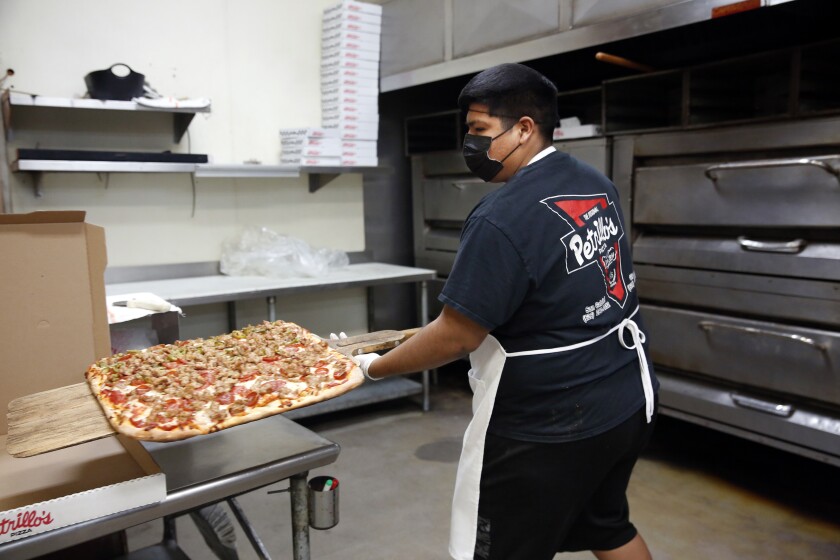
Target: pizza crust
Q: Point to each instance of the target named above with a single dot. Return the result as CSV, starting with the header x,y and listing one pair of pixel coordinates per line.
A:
x,y
155,434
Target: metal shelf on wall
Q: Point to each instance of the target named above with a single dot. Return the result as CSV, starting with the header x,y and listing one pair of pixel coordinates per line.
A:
x,y
245,170
181,116
320,176
39,166
72,166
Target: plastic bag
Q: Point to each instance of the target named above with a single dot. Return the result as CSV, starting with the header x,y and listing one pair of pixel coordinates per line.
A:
x,y
259,251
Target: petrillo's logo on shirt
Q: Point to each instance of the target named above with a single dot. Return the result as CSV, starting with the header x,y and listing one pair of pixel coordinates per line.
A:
x,y
593,239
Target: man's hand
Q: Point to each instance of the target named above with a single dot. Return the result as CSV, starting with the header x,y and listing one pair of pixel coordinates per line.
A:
x,y
363,360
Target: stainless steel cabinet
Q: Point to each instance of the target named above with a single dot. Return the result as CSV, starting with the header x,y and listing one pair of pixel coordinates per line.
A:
x,y
413,35
482,25
588,12
428,40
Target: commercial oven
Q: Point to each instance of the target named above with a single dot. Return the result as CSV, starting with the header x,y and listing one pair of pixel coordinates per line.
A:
x,y
736,244
444,192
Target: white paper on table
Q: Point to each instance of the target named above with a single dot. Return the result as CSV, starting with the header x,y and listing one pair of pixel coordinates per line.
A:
x,y
118,314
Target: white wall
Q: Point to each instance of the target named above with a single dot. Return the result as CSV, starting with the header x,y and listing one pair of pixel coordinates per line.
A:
x,y
258,60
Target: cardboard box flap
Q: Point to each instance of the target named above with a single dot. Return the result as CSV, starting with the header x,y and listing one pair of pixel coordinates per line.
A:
x,y
54,322
45,217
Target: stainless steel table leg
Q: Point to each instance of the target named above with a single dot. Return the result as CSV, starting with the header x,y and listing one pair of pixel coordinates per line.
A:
x,y
248,529
371,309
424,319
300,516
271,301
231,316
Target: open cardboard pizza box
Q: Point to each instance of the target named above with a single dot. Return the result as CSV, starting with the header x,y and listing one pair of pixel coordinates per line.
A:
x,y
70,415
53,322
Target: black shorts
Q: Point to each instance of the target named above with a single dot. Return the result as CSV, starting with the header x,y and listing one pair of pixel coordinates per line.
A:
x,y
537,499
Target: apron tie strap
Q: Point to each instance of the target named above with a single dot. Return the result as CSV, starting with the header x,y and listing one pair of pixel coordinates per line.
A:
x,y
639,338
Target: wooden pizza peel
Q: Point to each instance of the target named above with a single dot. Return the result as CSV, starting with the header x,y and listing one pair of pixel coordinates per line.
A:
x,y
58,418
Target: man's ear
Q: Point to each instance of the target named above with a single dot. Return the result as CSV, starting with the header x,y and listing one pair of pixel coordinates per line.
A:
x,y
528,129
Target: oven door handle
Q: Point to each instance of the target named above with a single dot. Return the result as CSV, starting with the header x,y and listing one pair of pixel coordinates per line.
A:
x,y
761,405
461,185
711,171
709,326
795,246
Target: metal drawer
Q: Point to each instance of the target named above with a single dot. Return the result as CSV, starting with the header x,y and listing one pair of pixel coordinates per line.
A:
x,y
768,356
776,420
452,198
795,258
796,192
441,239
787,299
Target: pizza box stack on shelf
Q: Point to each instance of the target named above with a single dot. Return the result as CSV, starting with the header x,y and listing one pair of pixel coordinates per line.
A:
x,y
572,128
350,79
54,324
310,147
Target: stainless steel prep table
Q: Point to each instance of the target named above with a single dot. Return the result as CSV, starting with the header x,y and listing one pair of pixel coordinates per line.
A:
x,y
208,469
197,290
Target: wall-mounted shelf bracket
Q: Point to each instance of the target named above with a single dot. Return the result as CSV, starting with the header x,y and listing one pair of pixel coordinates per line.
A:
x,y
319,177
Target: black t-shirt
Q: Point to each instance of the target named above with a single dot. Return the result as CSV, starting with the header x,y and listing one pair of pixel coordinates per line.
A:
x,y
544,263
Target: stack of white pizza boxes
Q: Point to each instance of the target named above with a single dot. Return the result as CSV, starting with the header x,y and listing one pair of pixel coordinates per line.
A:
x,y
311,147
350,79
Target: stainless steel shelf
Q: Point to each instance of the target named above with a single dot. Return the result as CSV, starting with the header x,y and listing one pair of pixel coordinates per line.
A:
x,y
29,100
72,166
245,170
181,116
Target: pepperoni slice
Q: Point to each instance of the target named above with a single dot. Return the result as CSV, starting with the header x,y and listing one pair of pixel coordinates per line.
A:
x,y
116,397
225,398
209,379
142,389
272,385
174,405
141,424
163,422
252,398
240,390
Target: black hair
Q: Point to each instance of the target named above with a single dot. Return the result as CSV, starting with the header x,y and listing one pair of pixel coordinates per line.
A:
x,y
512,91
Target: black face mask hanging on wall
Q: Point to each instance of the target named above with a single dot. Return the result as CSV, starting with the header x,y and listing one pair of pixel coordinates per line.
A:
x,y
475,150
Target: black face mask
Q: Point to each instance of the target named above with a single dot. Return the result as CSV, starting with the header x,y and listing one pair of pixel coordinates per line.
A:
x,y
476,156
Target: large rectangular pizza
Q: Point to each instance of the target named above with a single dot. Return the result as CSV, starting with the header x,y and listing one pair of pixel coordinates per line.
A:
x,y
174,391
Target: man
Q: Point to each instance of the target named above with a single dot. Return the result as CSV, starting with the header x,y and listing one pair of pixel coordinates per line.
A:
x,y
542,297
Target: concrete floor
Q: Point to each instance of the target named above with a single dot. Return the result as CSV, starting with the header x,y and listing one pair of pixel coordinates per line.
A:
x,y
696,494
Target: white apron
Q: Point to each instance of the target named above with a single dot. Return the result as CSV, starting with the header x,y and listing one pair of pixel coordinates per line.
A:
x,y
486,365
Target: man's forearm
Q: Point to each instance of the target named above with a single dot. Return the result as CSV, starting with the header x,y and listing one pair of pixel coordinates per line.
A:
x,y
449,337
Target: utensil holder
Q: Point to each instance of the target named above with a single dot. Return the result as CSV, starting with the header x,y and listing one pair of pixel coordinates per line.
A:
x,y
323,504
